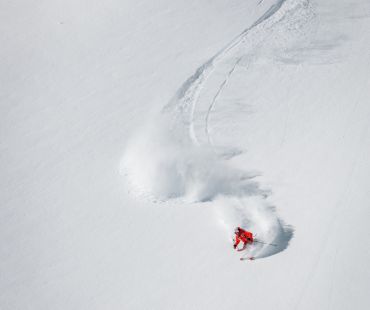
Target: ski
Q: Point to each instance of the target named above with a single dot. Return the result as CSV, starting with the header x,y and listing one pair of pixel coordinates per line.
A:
x,y
247,258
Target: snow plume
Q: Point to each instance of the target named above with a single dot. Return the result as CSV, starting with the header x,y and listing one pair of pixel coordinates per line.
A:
x,y
160,164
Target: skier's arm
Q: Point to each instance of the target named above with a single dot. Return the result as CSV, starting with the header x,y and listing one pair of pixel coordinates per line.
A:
x,y
237,241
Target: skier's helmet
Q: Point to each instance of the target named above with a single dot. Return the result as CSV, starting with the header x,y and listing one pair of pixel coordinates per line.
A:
x,y
236,230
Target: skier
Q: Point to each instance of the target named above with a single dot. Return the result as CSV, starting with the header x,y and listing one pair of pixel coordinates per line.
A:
x,y
244,236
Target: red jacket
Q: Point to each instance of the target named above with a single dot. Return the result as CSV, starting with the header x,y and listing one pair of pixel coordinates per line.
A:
x,y
244,236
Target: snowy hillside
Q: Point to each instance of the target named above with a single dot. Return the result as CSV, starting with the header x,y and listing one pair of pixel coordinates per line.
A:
x,y
135,136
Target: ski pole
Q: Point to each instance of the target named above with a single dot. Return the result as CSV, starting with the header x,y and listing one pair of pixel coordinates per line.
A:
x,y
273,244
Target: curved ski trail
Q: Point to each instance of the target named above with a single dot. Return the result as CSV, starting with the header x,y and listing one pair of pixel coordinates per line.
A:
x,y
183,161
248,208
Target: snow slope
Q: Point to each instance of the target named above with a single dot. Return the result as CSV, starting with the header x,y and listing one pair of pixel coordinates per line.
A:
x,y
136,134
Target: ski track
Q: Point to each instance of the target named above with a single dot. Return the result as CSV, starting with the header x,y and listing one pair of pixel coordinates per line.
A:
x,y
187,96
213,103
182,168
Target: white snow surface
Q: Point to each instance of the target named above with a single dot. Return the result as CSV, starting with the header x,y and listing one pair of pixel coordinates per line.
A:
x,y
135,135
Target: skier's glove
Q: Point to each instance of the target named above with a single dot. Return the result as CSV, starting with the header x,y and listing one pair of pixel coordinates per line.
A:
x,y
234,246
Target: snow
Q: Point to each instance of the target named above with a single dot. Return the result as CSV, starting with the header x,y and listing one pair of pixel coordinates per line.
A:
x,y
135,135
